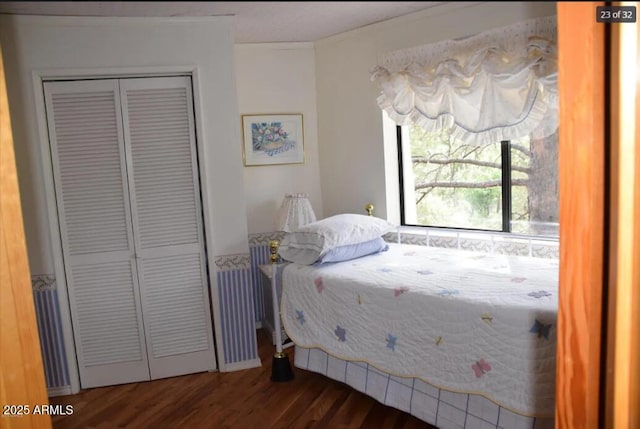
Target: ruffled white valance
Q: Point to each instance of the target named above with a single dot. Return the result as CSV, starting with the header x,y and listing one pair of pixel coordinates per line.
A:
x,y
494,86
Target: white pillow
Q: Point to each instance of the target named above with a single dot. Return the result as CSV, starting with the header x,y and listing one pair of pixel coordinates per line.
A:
x,y
307,244
354,251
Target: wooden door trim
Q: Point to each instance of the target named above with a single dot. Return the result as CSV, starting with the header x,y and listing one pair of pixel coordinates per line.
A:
x,y
22,382
581,83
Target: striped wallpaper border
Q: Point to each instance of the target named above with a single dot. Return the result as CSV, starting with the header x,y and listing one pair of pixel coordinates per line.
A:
x,y
236,301
259,256
263,238
232,262
45,299
42,282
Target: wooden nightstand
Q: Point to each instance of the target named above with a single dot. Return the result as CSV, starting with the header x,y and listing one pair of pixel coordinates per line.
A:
x,y
267,297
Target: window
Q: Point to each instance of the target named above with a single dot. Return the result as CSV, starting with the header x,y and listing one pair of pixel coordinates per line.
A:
x,y
509,186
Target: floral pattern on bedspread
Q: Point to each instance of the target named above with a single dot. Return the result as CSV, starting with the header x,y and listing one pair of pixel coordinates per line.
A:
x,y
465,322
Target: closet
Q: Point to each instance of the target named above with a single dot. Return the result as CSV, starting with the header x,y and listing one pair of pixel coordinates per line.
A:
x,y
125,172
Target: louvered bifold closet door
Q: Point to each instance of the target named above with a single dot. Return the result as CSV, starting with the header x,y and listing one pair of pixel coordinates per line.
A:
x,y
167,221
86,136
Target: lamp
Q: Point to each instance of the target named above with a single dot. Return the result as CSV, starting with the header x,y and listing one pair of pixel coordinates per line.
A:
x,y
294,212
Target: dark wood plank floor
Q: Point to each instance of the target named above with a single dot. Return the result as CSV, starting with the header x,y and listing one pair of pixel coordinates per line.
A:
x,y
235,400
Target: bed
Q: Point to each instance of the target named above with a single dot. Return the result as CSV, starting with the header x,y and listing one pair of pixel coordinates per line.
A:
x,y
458,339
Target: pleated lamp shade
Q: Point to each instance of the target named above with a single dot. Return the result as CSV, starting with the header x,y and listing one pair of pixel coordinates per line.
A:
x,y
294,212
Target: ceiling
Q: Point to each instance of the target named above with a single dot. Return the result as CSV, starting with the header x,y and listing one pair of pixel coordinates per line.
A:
x,y
255,22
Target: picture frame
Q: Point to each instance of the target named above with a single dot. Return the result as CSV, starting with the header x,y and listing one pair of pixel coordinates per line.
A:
x,y
272,139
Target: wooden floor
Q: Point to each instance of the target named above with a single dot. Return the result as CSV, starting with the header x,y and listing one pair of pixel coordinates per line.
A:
x,y
236,400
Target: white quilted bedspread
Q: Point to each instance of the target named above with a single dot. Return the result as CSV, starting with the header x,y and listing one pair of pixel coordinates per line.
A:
x,y
462,321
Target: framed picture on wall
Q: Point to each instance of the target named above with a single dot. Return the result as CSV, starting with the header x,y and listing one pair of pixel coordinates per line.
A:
x,y
273,139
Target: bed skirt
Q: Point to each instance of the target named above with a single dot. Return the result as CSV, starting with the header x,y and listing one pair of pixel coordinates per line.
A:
x,y
438,407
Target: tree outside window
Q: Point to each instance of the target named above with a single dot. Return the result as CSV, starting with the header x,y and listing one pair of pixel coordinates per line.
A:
x,y
448,184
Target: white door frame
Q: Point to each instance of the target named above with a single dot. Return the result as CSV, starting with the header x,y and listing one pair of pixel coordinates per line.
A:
x,y
38,77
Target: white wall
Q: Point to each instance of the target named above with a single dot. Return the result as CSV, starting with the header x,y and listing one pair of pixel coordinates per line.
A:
x,y
279,78
33,43
352,166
